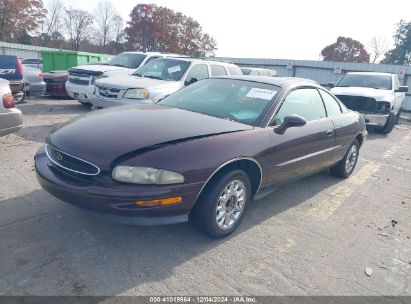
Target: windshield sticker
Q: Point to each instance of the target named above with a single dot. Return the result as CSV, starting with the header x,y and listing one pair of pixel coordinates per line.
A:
x,y
174,69
261,93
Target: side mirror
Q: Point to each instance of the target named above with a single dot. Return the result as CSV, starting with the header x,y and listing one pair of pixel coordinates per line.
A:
x,y
331,84
290,121
402,89
191,81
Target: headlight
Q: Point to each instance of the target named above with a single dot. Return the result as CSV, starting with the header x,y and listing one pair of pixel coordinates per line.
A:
x,y
146,176
136,94
94,78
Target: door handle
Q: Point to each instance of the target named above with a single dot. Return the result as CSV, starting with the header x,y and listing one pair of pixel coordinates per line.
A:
x,y
329,131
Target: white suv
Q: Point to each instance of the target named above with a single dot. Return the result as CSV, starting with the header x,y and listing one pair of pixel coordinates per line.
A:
x,y
156,80
378,96
80,84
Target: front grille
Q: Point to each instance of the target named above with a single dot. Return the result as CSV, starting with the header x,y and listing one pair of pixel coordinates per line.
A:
x,y
359,103
108,92
71,163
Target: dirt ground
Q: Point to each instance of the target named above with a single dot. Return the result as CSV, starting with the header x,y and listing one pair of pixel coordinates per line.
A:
x,y
316,236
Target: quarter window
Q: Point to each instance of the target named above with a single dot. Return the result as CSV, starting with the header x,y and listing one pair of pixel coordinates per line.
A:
x,y
197,72
304,102
217,70
332,106
234,70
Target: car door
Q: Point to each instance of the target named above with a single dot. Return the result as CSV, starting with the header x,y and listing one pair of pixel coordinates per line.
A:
x,y
345,127
399,96
305,149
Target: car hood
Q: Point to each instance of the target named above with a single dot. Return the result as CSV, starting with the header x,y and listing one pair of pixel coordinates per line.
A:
x,y
99,68
129,82
104,136
363,92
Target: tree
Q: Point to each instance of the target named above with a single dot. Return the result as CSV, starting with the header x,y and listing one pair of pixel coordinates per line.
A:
x,y
106,22
346,50
51,23
401,53
378,46
78,24
156,28
18,17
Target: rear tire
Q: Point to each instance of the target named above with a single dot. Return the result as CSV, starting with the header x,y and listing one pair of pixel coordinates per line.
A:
x,y
222,204
389,126
345,167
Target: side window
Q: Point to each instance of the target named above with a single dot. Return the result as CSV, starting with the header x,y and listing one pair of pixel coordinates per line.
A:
x,y
263,72
254,72
197,72
332,106
217,70
234,70
304,102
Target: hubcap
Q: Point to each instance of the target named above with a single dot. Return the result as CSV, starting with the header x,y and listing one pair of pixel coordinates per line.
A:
x,y
230,204
351,159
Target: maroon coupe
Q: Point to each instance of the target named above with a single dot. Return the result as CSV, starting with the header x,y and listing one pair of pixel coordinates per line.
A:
x,y
202,154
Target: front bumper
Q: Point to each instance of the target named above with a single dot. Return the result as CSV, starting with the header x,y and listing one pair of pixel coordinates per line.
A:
x,y
83,93
377,120
115,201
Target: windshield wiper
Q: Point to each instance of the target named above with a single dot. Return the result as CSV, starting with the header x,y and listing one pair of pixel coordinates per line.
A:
x,y
153,77
118,65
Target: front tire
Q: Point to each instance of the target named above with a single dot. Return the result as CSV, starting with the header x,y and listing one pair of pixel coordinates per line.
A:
x,y
345,167
389,126
223,204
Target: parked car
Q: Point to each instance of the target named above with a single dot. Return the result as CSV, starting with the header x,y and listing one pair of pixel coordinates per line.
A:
x,y
156,80
201,154
56,83
80,84
11,119
378,96
11,69
33,63
258,72
34,79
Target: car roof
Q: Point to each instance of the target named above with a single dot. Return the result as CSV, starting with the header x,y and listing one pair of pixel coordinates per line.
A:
x,y
370,73
254,68
189,59
277,81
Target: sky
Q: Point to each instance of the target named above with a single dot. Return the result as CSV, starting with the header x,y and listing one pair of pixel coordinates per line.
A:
x,y
286,29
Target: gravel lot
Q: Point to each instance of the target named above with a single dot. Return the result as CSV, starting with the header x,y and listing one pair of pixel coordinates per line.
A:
x,y
312,237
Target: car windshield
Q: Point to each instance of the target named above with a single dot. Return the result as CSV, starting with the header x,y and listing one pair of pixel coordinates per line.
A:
x,y
127,60
164,69
237,100
381,82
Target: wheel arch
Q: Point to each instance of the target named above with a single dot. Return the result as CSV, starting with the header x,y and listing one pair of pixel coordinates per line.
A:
x,y
360,139
248,164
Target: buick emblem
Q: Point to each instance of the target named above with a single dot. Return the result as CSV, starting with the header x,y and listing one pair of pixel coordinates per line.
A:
x,y
59,157
106,92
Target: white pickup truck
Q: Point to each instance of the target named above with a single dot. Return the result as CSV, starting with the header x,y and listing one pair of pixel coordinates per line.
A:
x,y
378,96
80,83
